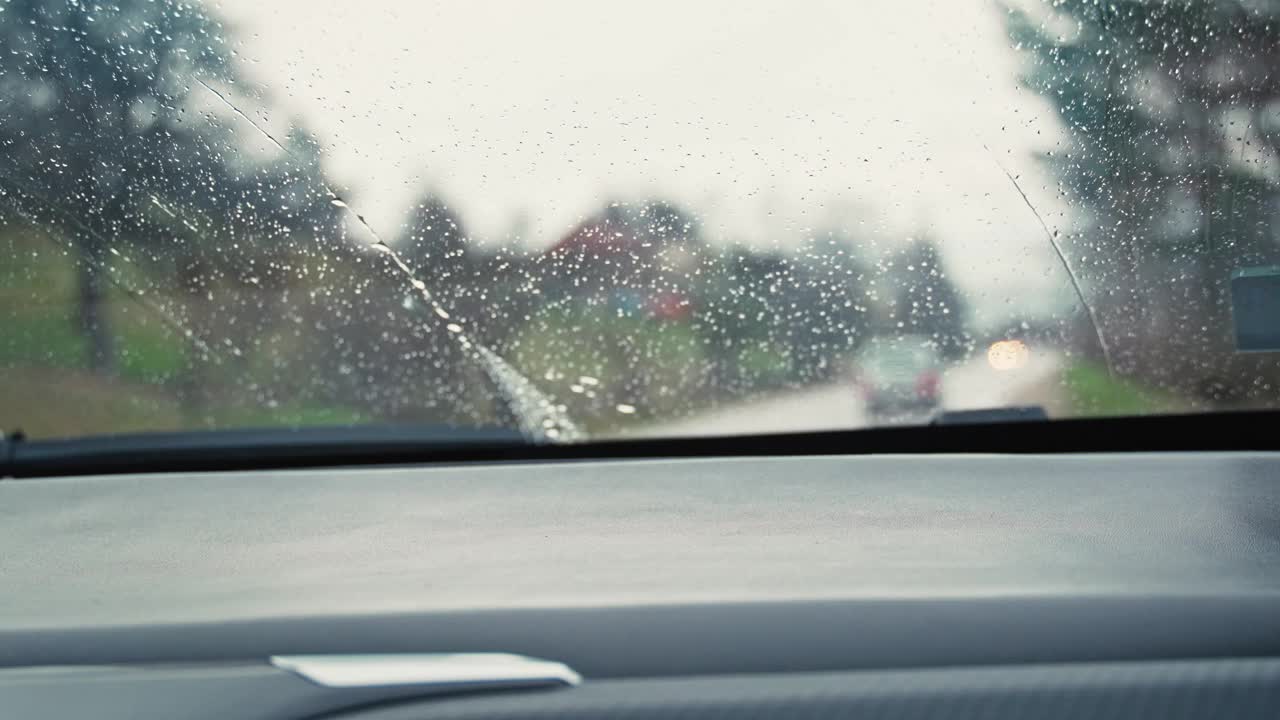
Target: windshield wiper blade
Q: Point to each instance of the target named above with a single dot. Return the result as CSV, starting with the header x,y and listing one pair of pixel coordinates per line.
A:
x,y
206,450
1013,413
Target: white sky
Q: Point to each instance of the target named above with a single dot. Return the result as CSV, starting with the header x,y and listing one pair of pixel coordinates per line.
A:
x,y
765,119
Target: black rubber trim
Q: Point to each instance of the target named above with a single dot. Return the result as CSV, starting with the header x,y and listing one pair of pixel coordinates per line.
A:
x,y
655,641
246,449
335,447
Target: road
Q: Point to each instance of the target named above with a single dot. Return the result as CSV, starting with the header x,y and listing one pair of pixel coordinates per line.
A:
x,y
837,406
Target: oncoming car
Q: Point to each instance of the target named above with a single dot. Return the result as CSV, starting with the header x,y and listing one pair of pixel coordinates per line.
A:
x,y
899,375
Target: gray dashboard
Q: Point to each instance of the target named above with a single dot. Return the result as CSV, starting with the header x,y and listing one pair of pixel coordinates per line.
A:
x,y
148,549
1237,689
1143,585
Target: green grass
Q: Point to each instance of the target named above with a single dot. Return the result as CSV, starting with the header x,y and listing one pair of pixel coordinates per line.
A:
x,y
38,315
648,363
46,388
41,335
44,334
1091,391
286,415
146,349
37,318
764,362
49,403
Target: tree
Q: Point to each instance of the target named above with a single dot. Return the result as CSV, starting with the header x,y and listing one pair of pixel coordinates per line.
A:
x,y
1169,109
925,300
435,244
665,223
92,98
826,312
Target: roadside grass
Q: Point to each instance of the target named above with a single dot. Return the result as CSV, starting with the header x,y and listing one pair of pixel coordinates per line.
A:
x,y
635,360
59,402
147,350
1091,391
38,315
44,334
47,391
41,335
764,362
662,368
37,320
295,414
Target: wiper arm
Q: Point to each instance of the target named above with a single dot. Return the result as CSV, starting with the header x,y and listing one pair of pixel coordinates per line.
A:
x,y
1103,346
206,450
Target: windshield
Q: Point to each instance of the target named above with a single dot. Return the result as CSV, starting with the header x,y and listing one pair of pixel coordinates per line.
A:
x,y
899,356
578,220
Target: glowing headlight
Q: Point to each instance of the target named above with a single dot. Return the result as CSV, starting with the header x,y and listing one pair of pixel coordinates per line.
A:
x,y
1007,354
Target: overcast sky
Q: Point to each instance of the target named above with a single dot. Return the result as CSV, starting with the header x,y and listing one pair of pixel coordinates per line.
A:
x,y
768,120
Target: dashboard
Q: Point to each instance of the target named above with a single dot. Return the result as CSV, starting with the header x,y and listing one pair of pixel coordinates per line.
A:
x,y
1117,585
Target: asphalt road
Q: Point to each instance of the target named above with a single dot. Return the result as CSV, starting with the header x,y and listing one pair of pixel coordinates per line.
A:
x,y
838,406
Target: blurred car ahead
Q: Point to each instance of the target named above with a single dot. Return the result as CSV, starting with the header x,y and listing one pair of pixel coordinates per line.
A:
x,y
899,375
